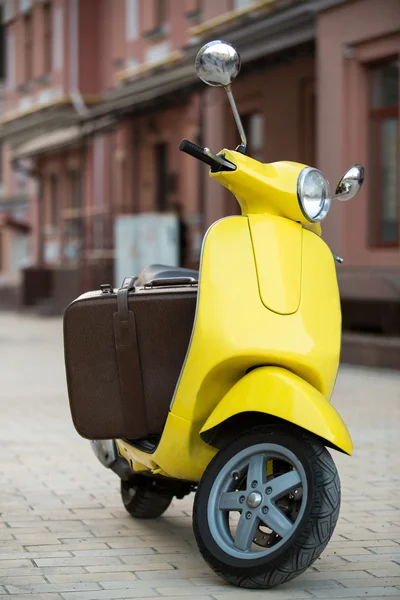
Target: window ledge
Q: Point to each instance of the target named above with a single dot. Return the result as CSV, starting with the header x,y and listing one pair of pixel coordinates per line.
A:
x,y
43,79
100,254
193,16
157,34
118,63
382,246
145,68
72,213
208,26
24,88
50,230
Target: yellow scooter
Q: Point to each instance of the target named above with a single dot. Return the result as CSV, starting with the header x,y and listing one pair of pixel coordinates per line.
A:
x,y
250,420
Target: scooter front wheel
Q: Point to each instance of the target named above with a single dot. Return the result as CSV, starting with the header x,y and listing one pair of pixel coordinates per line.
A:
x,y
266,507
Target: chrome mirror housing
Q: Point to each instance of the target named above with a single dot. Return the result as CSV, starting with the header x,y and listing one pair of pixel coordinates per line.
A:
x,y
350,184
218,63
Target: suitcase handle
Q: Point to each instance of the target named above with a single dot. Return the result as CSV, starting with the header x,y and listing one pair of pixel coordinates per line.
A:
x,y
171,281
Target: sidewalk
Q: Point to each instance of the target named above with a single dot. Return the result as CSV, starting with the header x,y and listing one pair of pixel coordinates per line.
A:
x,y
65,536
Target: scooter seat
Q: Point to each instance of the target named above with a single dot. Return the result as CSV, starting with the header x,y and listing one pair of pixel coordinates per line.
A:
x,y
157,272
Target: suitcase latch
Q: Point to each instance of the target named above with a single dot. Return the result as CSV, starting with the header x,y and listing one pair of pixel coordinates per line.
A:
x,y
106,288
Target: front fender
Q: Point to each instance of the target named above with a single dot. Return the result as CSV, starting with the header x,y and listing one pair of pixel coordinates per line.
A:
x,y
278,392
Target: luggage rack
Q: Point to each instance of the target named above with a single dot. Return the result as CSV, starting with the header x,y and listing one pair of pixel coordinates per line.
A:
x,y
171,282
160,273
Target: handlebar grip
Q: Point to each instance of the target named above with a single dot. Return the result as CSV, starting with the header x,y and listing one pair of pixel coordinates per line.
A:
x,y
197,152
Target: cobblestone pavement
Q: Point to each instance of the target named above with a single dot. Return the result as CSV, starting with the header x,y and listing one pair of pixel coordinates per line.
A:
x,y
64,535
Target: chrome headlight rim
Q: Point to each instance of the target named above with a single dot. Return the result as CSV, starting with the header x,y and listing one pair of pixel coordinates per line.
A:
x,y
326,202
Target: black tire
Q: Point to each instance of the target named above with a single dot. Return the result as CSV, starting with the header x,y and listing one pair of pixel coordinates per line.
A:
x,y
313,531
143,500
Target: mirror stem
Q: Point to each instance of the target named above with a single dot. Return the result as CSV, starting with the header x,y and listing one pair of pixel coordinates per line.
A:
x,y
243,146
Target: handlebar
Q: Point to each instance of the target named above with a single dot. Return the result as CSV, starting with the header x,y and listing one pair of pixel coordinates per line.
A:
x,y
201,154
196,152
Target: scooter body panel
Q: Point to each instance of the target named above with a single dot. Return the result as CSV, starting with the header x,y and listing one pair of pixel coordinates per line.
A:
x,y
235,331
280,393
181,453
279,281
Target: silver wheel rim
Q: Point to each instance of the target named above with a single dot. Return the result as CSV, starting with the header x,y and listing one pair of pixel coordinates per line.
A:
x,y
258,503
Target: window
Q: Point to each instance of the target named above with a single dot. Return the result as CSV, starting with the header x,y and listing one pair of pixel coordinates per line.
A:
x,y
161,12
154,18
384,152
192,7
48,37
307,124
132,19
239,4
1,165
74,189
28,47
161,154
2,49
10,61
54,200
58,41
73,225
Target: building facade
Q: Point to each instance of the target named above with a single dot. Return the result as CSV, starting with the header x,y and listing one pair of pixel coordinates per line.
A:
x,y
99,94
14,210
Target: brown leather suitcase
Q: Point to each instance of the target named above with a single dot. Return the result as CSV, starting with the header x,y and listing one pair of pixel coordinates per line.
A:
x,y
124,350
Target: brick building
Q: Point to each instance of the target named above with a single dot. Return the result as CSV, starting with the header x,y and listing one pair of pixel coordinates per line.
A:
x,y
100,92
14,222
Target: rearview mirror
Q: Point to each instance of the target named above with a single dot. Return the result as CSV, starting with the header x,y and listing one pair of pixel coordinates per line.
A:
x,y
218,63
350,184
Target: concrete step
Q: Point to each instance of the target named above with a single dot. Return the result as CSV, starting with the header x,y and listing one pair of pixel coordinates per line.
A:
x,y
371,350
10,297
45,307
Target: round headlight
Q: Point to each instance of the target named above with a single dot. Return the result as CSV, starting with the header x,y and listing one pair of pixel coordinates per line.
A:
x,y
313,194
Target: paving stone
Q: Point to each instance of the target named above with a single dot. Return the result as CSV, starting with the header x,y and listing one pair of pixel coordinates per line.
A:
x,y
13,564
33,555
27,571
47,588
21,580
392,571
74,561
373,582
133,568
176,574
275,594
334,574
356,592
102,580
32,597
357,558
68,547
123,594
356,566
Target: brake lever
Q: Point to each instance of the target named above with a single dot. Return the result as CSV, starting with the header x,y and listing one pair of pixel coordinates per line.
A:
x,y
219,159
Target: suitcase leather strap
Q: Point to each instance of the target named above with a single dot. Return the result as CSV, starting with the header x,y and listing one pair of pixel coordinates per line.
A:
x,y
130,374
